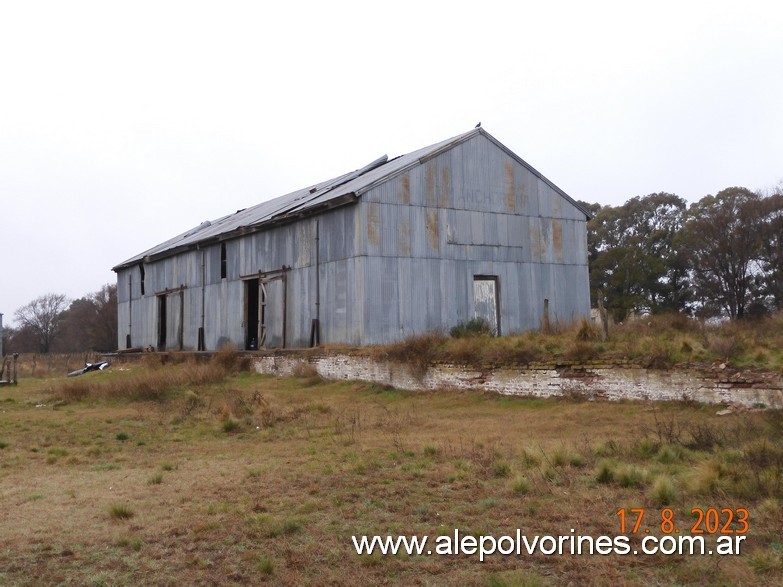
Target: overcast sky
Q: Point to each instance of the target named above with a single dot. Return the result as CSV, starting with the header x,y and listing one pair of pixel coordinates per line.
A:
x,y
123,124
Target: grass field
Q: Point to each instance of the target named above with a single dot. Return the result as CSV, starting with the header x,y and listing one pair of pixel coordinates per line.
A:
x,y
207,474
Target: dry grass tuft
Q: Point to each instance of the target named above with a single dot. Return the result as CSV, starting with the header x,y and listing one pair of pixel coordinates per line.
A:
x,y
417,351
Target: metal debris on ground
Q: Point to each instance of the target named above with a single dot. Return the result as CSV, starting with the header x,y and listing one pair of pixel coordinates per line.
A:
x,y
89,367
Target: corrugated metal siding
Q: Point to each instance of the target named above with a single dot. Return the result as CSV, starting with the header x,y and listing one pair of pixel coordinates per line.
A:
x,y
502,221
399,262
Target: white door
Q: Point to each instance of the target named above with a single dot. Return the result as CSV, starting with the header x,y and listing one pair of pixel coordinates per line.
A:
x,y
485,302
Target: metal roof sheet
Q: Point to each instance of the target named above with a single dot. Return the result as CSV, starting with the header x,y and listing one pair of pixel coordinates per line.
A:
x,y
311,199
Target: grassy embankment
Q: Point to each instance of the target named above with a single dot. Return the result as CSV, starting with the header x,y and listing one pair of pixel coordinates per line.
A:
x,y
660,342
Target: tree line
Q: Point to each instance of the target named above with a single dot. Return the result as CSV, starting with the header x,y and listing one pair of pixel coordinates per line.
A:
x,y
720,256
53,323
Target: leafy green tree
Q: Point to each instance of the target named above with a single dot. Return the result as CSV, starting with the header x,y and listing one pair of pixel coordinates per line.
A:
x,y
634,262
772,248
723,237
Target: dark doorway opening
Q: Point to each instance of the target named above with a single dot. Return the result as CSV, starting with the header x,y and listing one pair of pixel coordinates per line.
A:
x,y
251,314
162,323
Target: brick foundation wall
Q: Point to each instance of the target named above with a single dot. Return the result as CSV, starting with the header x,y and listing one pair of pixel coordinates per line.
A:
x,y
718,385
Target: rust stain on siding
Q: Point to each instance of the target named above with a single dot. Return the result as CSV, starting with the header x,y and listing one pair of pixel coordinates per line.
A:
x,y
444,187
557,238
432,228
405,236
429,184
373,224
521,197
508,170
535,242
405,183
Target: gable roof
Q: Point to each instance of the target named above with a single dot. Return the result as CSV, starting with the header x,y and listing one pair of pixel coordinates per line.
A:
x,y
316,198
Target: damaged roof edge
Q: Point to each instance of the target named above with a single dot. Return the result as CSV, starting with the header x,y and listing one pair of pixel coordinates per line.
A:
x,y
321,197
292,216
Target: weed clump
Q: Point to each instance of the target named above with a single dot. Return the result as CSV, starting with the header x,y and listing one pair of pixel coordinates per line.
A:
x,y
663,491
587,331
417,351
631,476
581,351
121,512
229,361
230,424
605,473
265,566
520,485
473,327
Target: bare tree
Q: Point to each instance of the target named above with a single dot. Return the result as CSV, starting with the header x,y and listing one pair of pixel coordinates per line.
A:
x,y
90,322
42,317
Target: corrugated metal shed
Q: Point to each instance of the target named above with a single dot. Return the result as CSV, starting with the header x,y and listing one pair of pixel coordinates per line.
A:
x,y
459,229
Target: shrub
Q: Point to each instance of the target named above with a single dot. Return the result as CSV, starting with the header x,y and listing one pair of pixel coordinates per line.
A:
x,y
704,478
605,472
473,327
631,476
430,451
726,346
501,469
121,512
765,562
466,351
266,566
231,424
562,457
657,354
587,331
520,485
663,491
670,454
417,351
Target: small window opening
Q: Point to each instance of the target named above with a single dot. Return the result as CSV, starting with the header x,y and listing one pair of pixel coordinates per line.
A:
x,y
223,264
141,271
